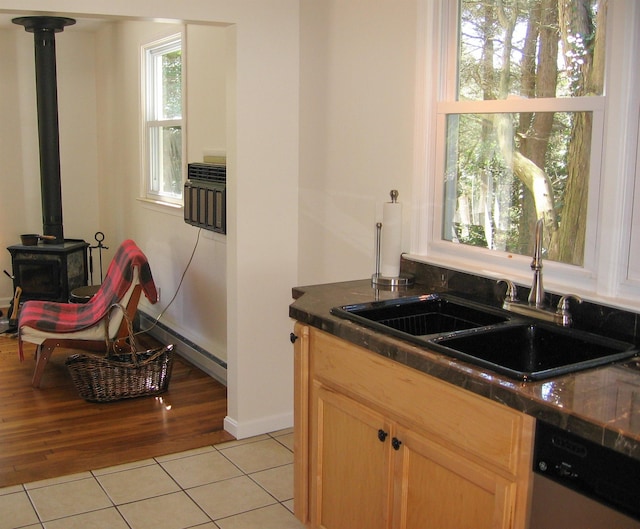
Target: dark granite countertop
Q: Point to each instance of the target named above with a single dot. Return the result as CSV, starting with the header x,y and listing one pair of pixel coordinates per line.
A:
x,y
601,404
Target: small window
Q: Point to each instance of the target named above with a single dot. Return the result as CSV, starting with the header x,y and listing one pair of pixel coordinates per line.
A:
x,y
163,168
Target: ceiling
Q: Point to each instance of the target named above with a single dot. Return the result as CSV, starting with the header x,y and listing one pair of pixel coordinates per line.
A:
x,y
82,24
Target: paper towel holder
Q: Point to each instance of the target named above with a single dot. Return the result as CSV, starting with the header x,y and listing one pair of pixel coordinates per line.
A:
x,y
377,279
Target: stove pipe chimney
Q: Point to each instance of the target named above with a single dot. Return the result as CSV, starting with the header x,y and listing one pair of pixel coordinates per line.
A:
x,y
44,29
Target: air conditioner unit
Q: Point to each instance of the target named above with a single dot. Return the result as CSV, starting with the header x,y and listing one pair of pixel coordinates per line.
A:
x,y
205,196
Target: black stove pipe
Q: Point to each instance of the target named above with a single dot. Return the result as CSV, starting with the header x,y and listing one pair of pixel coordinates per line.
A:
x,y
44,29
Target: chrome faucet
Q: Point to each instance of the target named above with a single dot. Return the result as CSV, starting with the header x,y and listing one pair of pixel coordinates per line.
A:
x,y
536,295
536,306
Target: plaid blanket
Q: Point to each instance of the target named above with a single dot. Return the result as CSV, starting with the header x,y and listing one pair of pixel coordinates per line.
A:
x,y
56,317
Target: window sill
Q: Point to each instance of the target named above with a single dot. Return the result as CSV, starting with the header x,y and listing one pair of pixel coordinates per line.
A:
x,y
162,207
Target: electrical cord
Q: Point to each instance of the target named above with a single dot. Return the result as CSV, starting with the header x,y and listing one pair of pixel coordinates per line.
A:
x,y
184,273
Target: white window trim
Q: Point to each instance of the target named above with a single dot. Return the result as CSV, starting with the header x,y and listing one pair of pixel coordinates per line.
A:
x,y
144,194
608,253
620,152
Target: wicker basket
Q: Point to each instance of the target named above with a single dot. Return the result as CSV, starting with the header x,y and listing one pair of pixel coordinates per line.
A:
x,y
121,374
114,377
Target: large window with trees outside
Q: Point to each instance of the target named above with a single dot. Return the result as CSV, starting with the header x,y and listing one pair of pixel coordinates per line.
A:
x,y
162,73
523,125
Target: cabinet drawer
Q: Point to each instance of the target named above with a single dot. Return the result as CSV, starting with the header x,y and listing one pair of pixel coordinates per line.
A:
x,y
478,427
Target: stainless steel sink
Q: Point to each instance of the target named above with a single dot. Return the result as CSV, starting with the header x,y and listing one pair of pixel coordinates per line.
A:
x,y
518,347
420,316
533,351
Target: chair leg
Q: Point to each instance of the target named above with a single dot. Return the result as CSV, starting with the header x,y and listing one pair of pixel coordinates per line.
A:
x,y
43,353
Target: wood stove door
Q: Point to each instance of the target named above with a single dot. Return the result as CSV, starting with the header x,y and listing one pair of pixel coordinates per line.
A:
x,y
39,279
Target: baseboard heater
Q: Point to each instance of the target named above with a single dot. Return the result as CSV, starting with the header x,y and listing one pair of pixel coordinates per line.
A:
x,y
205,196
189,350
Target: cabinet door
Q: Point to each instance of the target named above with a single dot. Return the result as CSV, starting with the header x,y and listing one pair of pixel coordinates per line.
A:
x,y
437,488
350,462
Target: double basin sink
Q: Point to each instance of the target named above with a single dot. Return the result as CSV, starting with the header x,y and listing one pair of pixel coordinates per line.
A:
x,y
520,348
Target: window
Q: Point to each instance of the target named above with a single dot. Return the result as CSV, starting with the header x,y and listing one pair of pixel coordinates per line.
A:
x,y
518,109
519,130
163,166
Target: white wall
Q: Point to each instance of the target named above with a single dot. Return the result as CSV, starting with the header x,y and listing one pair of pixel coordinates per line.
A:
x,y
207,49
206,89
356,130
262,148
20,203
12,197
199,309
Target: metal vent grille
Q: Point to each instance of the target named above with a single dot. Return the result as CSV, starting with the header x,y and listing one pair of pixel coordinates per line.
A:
x,y
205,196
207,172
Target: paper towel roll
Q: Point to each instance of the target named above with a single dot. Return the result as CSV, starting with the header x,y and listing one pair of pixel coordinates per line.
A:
x,y
391,239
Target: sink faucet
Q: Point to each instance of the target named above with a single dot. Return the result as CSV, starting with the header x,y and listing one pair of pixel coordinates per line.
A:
x,y
536,296
536,305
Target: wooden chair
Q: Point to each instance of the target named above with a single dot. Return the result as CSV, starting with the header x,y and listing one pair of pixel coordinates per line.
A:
x,y
133,277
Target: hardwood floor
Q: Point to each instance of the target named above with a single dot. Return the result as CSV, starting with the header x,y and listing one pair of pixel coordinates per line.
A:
x,y
51,431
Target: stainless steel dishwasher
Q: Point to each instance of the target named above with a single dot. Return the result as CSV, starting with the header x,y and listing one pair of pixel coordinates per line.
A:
x,y
579,484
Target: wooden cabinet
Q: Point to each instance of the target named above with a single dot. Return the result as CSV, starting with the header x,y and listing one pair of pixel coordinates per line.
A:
x,y
352,464
437,487
380,445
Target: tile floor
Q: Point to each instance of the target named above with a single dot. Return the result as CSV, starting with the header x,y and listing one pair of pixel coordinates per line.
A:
x,y
241,484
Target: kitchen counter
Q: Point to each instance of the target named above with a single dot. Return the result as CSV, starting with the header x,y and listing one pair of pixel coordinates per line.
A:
x,y
601,404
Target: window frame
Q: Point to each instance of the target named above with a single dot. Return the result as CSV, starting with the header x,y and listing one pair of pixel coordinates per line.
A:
x,y
613,170
149,119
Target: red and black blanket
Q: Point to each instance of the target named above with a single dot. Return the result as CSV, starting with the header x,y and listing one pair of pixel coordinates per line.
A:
x,y
56,317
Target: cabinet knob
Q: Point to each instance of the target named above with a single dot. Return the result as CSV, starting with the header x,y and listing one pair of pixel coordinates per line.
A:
x,y
293,338
382,435
395,442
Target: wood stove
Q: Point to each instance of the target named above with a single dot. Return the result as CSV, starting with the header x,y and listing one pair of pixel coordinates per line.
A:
x,y
49,271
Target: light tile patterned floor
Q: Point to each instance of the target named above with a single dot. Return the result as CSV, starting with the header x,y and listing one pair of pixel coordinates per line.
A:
x,y
241,484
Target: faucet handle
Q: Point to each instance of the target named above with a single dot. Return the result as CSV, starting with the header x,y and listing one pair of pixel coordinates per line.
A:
x,y
563,316
512,292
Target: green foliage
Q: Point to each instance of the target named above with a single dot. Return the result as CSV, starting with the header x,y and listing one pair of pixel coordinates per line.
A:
x,y
172,84
172,178
491,202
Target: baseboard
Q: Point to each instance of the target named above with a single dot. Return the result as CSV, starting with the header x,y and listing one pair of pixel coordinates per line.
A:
x,y
242,430
192,352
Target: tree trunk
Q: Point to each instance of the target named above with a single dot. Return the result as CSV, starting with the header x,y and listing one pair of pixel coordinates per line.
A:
x,y
529,173
481,203
575,20
539,80
547,81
